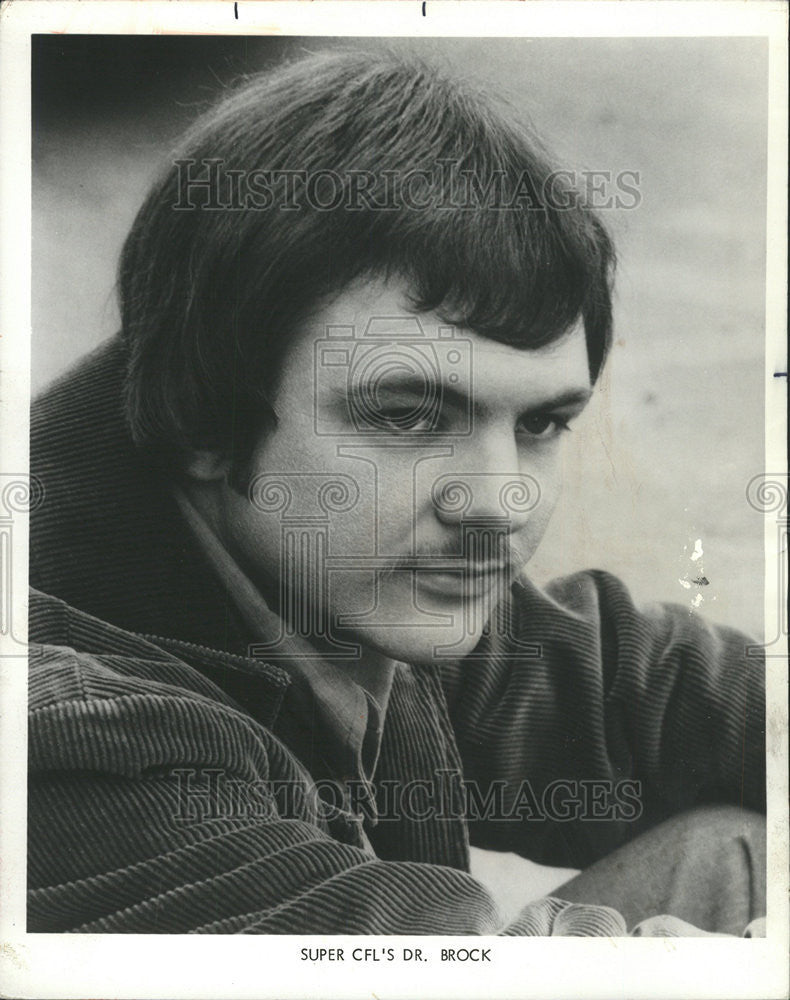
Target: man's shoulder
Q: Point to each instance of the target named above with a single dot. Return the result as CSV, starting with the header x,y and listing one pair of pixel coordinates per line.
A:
x,y
583,593
108,537
96,495
560,611
103,701
93,384
78,658
588,623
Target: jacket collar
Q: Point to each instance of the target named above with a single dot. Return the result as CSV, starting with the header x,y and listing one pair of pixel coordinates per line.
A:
x,y
108,537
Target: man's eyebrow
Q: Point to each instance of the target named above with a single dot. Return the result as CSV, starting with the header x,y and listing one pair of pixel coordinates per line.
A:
x,y
406,382
578,396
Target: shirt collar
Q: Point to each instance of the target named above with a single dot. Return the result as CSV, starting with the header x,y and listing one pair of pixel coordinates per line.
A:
x,y
350,717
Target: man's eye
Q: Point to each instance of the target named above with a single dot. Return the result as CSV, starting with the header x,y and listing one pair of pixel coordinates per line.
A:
x,y
542,425
405,419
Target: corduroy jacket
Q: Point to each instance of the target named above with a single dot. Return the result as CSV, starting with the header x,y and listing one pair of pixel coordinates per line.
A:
x,y
177,784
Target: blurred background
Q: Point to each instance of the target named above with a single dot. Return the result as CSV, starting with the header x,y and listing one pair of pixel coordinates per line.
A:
x,y
657,472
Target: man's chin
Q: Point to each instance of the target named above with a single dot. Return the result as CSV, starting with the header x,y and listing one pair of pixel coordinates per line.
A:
x,y
415,625
420,644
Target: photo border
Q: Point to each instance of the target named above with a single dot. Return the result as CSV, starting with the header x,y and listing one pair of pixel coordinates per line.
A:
x,y
184,966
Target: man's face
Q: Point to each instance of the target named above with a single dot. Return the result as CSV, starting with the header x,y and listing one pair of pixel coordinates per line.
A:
x,y
411,475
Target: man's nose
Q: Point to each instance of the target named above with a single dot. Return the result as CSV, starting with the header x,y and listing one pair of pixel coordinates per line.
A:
x,y
492,489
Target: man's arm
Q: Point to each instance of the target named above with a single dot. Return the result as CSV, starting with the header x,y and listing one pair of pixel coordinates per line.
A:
x,y
618,719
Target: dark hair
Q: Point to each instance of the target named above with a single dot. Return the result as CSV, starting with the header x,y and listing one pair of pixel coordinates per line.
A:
x,y
211,294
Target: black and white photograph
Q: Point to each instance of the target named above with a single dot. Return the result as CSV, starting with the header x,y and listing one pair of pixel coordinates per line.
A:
x,y
404,557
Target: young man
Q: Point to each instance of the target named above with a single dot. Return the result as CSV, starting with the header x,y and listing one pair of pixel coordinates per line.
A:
x,y
288,664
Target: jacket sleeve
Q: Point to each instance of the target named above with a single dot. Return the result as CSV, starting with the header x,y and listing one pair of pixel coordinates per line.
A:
x,y
152,810
597,719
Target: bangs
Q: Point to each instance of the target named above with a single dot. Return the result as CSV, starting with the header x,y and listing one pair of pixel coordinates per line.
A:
x,y
513,265
510,276
492,236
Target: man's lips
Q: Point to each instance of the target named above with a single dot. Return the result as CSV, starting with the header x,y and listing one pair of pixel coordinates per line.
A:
x,y
467,582
454,577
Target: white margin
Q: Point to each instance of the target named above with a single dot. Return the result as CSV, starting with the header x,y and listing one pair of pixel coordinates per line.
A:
x,y
178,966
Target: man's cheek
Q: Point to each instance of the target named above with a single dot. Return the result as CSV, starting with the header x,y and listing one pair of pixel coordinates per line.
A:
x,y
532,534
257,540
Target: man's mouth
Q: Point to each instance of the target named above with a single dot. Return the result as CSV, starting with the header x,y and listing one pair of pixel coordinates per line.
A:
x,y
456,578
468,582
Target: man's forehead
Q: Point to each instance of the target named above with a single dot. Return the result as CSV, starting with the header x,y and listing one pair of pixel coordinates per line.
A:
x,y
370,316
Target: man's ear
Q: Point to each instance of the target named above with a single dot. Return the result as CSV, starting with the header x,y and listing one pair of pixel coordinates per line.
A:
x,y
207,466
